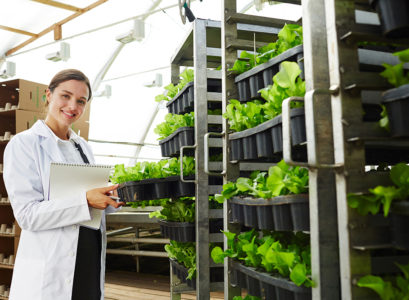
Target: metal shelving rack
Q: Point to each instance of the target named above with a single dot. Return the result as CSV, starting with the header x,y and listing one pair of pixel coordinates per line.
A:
x,y
323,209
357,235
201,49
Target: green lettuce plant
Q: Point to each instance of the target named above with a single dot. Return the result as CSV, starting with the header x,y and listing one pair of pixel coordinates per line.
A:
x,y
396,76
176,210
288,37
396,288
286,83
284,254
185,254
144,203
383,196
181,209
145,170
173,122
171,90
248,297
281,179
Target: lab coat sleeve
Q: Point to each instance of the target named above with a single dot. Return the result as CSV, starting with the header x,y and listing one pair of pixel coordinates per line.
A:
x,y
24,184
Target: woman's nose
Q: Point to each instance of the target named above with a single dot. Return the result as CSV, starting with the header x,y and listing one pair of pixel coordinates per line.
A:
x,y
73,104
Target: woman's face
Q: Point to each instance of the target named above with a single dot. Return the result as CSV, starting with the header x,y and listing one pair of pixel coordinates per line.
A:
x,y
67,103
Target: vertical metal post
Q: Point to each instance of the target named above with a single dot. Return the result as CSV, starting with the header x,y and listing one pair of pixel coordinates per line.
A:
x,y
174,281
322,190
137,248
229,91
174,73
346,115
202,191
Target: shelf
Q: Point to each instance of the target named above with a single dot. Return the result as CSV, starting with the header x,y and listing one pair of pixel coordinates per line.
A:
x,y
184,54
370,33
4,266
258,20
8,113
7,235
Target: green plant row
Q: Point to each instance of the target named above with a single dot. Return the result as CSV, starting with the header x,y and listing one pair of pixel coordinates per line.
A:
x,y
382,196
173,122
181,209
248,297
184,253
172,90
391,288
286,83
145,170
281,179
285,254
144,203
288,37
397,76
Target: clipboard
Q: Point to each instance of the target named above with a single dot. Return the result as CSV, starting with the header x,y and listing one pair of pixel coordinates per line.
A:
x,y
76,178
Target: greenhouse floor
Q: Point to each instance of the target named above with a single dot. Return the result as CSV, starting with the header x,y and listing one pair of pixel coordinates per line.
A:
x,y
125,285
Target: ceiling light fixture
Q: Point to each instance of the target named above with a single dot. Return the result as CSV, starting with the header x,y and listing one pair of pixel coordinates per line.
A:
x,y
157,82
136,34
9,70
107,92
63,54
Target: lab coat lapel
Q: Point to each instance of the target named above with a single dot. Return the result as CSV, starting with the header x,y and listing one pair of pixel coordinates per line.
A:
x,y
48,144
50,147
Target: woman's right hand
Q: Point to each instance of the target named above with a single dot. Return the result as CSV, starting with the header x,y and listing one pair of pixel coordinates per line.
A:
x,y
99,197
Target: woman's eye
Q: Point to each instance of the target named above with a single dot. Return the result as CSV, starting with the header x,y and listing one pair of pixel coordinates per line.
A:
x,y
82,102
66,96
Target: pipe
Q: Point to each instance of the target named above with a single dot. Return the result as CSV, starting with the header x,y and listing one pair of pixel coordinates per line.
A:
x,y
138,253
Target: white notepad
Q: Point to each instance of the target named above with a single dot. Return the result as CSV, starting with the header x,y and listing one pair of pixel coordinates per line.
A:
x,y
78,178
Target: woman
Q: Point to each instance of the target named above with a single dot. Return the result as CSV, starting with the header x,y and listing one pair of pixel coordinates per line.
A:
x,y
56,258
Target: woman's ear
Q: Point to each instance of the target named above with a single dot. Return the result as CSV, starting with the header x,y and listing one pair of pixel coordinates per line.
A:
x,y
48,95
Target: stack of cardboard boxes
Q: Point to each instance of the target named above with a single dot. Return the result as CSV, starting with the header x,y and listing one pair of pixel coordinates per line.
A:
x,y
22,103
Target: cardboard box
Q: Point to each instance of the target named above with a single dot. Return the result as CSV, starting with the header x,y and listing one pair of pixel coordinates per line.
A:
x,y
81,127
26,119
27,95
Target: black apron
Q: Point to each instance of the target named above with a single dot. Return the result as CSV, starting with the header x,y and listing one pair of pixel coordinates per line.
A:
x,y
87,274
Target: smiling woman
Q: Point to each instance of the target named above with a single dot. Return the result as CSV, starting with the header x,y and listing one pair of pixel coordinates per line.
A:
x,y
67,98
56,257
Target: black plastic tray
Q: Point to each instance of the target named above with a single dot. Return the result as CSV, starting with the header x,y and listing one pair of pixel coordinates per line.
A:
x,y
250,82
150,189
185,231
394,16
183,136
282,213
216,273
265,141
183,102
397,105
266,286
400,225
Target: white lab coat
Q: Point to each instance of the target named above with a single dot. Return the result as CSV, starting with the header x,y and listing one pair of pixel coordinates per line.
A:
x,y
45,262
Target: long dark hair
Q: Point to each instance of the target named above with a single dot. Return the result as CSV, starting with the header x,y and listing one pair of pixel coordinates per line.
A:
x,y
69,74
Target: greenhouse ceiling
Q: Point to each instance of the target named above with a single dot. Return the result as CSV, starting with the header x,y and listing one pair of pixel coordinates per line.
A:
x,y
30,31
